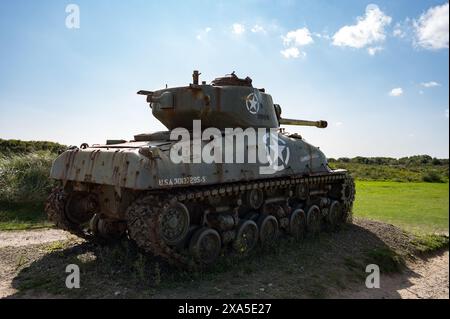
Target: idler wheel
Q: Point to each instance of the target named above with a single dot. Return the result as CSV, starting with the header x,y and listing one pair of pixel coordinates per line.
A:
x,y
268,229
348,190
297,224
174,223
71,211
255,198
246,237
205,245
80,207
313,220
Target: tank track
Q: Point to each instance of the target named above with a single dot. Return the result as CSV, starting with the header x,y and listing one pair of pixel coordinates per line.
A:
x,y
55,209
143,215
142,220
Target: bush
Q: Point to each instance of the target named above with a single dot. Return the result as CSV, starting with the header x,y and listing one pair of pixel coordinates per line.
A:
x,y
16,147
25,178
432,177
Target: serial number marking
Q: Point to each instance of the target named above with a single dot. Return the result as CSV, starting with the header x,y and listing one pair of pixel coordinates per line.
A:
x,y
191,180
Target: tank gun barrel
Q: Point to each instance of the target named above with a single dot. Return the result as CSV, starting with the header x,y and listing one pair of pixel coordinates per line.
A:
x,y
319,124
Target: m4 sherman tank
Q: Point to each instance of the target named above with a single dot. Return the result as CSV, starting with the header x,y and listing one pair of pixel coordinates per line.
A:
x,y
224,178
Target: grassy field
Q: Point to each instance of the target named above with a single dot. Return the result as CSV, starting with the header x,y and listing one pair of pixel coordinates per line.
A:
x,y
22,217
416,172
419,207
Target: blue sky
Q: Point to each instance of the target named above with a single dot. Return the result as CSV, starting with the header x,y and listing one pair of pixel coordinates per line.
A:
x,y
376,70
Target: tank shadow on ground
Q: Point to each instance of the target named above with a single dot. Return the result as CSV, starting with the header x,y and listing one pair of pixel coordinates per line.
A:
x,y
315,268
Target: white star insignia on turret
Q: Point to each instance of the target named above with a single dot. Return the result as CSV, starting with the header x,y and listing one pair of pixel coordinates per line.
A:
x,y
252,103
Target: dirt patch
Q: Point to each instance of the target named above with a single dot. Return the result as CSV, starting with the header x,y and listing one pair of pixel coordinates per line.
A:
x,y
19,249
31,237
423,279
331,265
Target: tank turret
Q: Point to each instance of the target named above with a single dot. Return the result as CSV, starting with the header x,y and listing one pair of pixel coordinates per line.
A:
x,y
227,102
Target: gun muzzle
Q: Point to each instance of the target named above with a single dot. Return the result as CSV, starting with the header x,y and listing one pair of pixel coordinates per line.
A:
x,y
319,124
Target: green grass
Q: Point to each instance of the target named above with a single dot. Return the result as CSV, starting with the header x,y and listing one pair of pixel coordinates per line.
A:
x,y
386,258
24,179
430,242
418,207
13,217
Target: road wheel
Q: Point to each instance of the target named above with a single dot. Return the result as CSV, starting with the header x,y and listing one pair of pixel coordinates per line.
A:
x,y
297,224
313,220
268,229
334,217
246,237
205,246
153,231
174,223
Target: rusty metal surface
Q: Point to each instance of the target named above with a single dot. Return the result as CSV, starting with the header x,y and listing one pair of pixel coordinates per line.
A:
x,y
127,166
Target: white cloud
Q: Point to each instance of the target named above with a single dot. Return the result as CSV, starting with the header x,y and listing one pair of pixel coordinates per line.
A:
x,y
429,84
294,40
431,30
396,92
299,37
258,29
446,113
338,124
368,30
292,52
238,28
373,50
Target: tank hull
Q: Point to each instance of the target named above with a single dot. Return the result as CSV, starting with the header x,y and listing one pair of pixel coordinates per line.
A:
x,y
124,165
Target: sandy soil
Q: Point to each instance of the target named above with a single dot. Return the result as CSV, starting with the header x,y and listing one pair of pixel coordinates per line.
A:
x,y
31,237
423,279
20,240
